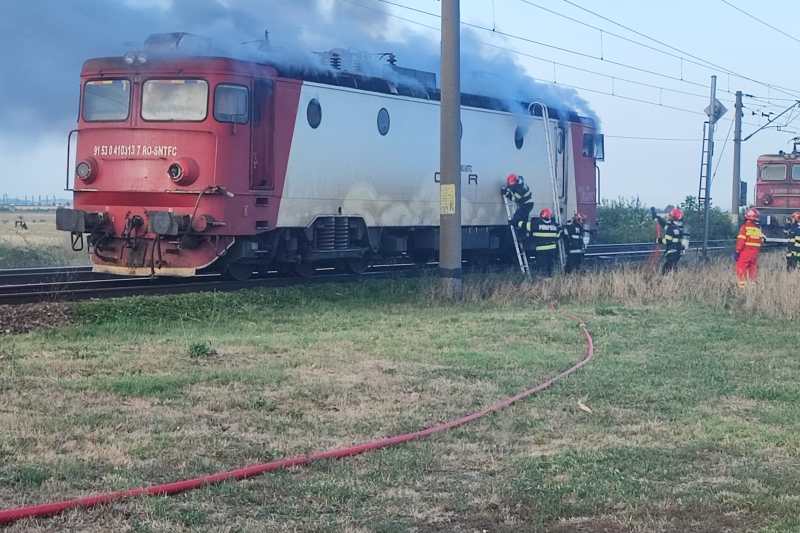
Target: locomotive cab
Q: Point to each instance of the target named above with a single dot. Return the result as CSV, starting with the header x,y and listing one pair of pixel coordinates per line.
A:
x,y
174,158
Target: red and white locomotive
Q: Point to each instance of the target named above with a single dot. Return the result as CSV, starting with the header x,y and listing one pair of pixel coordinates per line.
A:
x,y
778,189
184,163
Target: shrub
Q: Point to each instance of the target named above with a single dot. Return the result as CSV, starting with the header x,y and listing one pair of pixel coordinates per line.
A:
x,y
624,220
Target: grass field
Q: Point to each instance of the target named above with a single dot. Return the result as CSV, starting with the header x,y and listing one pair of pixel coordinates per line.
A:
x,y
40,245
693,426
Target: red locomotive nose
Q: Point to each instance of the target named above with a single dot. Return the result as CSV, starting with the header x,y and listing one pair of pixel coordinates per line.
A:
x,y
184,171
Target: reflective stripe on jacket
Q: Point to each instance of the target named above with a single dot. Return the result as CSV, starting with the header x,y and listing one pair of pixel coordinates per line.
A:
x,y
545,234
793,244
750,236
520,194
573,235
673,237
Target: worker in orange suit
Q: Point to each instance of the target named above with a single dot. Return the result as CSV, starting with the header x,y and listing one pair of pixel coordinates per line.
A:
x,y
748,246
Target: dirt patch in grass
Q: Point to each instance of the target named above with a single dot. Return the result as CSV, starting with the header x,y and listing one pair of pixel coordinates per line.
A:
x,y
28,317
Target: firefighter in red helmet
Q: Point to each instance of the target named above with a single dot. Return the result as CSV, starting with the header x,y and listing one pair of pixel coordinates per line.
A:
x,y
545,234
517,191
748,246
793,242
574,235
675,238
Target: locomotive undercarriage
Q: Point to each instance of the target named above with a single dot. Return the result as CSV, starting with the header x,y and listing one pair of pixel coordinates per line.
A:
x,y
347,243
164,244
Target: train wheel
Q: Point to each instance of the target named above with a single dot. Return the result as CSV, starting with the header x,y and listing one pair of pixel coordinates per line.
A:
x,y
239,271
304,269
357,266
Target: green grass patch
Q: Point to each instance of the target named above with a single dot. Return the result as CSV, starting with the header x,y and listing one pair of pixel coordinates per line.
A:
x,y
694,422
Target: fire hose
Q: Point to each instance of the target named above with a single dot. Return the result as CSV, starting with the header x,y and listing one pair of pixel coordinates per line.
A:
x,y
49,509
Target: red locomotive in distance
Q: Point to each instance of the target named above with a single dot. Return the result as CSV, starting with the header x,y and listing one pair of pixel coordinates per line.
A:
x,y
191,162
778,188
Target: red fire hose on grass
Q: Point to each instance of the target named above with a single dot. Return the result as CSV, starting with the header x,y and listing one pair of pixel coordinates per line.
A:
x,y
49,509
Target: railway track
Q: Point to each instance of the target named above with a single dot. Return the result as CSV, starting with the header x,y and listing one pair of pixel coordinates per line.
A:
x,y
30,285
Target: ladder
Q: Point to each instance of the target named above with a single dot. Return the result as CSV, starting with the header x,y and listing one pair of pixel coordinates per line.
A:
x,y
519,247
551,166
702,190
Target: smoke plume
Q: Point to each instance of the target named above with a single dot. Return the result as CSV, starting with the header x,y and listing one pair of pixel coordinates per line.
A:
x,y
45,43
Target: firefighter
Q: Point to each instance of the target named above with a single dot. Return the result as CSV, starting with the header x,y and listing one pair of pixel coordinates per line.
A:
x,y
675,238
545,234
793,244
517,191
574,242
748,246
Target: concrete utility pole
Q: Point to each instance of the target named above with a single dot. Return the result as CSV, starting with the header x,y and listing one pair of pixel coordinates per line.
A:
x,y
712,120
737,157
450,152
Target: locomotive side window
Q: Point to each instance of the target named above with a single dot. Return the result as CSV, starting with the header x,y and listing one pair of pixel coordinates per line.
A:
x,y
314,113
383,121
773,172
171,100
106,100
588,145
231,103
796,172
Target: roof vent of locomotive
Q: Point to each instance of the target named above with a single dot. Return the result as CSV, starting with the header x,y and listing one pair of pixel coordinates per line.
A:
x,y
177,42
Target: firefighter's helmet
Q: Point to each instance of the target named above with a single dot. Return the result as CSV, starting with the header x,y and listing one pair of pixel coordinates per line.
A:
x,y
546,213
512,180
676,214
751,214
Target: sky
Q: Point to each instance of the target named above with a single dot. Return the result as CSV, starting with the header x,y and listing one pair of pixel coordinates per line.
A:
x,y
44,42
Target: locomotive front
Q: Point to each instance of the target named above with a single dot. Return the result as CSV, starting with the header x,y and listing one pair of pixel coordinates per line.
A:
x,y
778,189
163,163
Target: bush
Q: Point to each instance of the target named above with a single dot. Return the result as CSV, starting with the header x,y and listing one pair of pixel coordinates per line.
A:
x,y
624,220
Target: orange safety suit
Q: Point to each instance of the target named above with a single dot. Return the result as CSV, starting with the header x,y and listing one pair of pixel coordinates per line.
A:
x,y
748,246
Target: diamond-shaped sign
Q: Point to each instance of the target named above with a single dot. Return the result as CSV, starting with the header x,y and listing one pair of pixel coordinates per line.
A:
x,y
719,110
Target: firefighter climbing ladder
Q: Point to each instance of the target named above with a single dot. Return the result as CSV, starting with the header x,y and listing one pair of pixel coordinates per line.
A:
x,y
519,247
551,166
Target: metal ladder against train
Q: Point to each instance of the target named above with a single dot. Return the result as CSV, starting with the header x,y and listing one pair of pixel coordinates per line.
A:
x,y
703,187
519,247
551,166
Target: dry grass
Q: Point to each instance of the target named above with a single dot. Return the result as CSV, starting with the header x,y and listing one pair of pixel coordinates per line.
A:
x,y
714,285
40,245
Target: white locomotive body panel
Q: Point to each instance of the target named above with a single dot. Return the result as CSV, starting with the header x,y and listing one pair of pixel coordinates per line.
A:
x,y
345,166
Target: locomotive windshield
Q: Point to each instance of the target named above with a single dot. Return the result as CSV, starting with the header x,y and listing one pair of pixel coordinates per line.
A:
x,y
773,172
172,100
796,172
105,100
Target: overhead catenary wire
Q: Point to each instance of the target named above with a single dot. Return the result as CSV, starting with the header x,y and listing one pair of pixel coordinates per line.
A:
x,y
760,21
722,152
585,55
708,64
660,139
549,61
